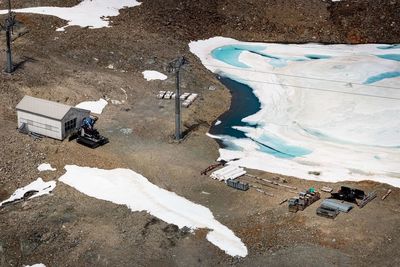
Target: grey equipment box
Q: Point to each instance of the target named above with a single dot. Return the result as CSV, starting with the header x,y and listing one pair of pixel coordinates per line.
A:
x,y
237,185
328,213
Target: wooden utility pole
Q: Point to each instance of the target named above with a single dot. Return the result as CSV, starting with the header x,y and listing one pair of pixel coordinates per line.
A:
x,y
175,67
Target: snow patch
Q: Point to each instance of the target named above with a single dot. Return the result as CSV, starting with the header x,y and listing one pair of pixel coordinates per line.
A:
x,y
94,106
45,167
36,265
126,187
153,75
89,13
39,185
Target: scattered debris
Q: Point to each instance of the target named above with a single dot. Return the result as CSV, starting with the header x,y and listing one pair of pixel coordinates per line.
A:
x,y
271,182
262,191
316,173
212,167
368,198
237,184
283,201
304,200
280,179
387,194
327,189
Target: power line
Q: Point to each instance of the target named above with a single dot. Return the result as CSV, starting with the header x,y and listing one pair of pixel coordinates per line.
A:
x,y
324,90
311,88
304,77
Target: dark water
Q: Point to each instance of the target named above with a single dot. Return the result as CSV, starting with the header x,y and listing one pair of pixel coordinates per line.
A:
x,y
243,104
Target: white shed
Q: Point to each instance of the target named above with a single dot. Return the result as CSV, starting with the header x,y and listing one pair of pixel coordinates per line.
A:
x,y
49,118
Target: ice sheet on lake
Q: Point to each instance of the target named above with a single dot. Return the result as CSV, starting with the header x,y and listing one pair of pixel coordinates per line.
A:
x,y
39,185
315,106
126,187
88,13
45,167
94,106
153,75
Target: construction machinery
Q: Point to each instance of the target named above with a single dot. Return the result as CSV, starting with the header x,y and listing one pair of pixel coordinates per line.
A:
x,y
87,135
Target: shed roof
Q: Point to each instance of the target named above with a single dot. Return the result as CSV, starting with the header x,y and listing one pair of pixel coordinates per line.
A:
x,y
43,107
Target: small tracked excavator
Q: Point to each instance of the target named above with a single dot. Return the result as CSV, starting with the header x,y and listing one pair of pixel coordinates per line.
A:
x,y
87,135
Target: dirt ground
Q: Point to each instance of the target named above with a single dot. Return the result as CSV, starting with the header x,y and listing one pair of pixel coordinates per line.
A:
x,y
68,228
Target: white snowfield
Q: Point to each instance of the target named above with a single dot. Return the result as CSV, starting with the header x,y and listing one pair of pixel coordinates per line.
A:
x,y
126,187
39,185
88,13
151,75
94,106
36,265
334,109
45,167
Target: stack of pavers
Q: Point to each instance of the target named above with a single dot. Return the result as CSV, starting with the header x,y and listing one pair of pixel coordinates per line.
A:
x,y
228,172
168,95
186,98
161,94
189,100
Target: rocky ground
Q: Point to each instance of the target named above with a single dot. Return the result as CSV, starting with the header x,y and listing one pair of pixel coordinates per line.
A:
x,y
71,229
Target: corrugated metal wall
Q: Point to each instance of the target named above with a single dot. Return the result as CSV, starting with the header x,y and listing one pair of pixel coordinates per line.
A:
x,y
41,125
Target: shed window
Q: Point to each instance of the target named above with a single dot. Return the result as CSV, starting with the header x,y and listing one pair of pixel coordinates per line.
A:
x,y
70,124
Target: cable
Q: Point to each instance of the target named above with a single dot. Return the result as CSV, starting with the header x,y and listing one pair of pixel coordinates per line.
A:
x,y
311,88
304,77
324,90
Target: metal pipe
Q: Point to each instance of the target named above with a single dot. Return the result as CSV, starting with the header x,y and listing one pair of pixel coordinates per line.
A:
x,y
177,109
